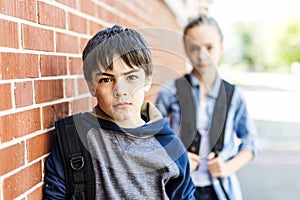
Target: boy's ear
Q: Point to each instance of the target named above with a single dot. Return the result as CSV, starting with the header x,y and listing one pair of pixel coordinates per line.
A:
x,y
148,82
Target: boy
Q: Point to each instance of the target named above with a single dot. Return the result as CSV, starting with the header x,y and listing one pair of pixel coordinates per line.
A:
x,y
134,153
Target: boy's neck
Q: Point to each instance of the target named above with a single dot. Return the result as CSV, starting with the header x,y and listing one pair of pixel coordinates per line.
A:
x,y
130,123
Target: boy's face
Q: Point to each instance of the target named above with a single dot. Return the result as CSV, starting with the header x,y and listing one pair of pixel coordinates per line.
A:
x,y
120,93
203,47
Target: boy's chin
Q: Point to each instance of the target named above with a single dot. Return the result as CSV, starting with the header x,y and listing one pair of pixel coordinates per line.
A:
x,y
120,117
126,121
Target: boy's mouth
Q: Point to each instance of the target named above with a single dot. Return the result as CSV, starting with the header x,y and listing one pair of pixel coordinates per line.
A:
x,y
122,105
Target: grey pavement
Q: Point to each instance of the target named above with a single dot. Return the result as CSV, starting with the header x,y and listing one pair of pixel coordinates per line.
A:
x,y
274,103
274,174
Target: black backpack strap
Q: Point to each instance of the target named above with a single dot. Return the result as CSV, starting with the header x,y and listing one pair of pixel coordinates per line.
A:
x,y
188,132
188,128
76,159
219,117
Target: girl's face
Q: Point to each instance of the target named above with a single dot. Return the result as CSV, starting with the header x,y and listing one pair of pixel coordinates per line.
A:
x,y
120,93
203,47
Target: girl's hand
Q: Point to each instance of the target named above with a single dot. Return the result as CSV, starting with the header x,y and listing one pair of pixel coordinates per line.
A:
x,y
194,161
217,167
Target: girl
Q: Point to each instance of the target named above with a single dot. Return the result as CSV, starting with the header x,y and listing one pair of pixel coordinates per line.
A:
x,y
203,45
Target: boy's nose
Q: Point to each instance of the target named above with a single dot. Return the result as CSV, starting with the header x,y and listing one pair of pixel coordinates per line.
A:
x,y
120,89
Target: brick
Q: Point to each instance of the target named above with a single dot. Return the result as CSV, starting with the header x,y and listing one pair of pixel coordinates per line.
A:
x,y
36,194
128,9
172,63
8,34
88,7
53,65
95,27
66,43
82,86
48,90
20,9
12,157
132,13
77,23
5,97
54,112
83,43
70,87
19,124
110,3
18,65
101,13
124,8
69,3
23,94
39,145
75,66
111,17
80,105
37,38
51,15
17,184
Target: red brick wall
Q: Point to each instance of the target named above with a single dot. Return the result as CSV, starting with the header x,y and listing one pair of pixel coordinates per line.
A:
x,y
40,73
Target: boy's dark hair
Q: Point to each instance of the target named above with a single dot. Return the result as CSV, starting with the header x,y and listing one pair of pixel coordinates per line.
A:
x,y
202,19
101,50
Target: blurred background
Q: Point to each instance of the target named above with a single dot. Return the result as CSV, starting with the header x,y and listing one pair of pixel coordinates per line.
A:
x,y
41,79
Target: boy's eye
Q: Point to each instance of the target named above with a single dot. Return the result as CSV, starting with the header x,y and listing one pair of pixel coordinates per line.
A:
x,y
132,77
105,80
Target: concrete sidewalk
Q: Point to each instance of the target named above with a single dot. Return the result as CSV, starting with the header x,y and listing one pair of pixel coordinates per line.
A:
x,y
274,174
274,102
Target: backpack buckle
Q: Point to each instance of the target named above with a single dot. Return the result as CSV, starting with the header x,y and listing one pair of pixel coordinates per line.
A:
x,y
77,162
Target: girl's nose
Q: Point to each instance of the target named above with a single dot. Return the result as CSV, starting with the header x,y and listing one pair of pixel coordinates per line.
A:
x,y
202,53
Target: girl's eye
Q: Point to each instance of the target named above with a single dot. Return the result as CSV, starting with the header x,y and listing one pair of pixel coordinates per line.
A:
x,y
132,77
105,80
209,48
193,49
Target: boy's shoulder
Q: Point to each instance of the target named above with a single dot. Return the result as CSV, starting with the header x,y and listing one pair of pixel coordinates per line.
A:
x,y
68,119
81,120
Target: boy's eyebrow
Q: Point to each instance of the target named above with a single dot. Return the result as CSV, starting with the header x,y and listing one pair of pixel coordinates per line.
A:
x,y
131,71
104,74
111,75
